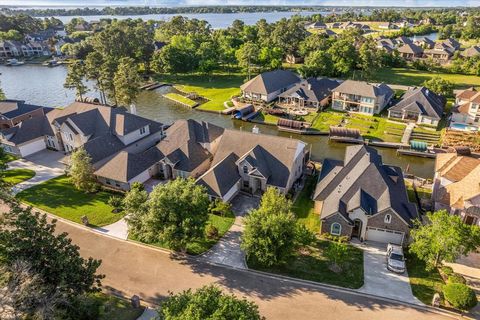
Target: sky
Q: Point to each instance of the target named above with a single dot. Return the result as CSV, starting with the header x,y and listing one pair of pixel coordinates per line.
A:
x,y
169,3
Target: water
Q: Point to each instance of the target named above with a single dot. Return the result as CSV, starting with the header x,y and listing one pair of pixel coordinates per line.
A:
x,y
432,36
44,86
216,20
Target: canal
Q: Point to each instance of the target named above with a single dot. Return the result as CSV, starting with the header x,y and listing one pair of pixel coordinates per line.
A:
x,y
44,86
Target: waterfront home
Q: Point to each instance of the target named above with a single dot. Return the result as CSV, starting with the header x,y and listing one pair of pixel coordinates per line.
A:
x,y
473,51
310,93
35,48
456,186
317,25
410,51
424,42
12,112
360,197
420,105
267,86
362,97
403,40
251,162
450,44
101,130
386,44
10,49
466,112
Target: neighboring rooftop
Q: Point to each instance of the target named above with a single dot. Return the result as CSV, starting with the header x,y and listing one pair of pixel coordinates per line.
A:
x,y
269,82
312,89
14,108
423,101
365,89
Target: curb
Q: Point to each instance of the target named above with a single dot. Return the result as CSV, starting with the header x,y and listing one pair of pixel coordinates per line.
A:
x,y
313,284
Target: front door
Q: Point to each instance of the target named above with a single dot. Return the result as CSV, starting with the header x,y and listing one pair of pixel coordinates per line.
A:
x,y
470,220
357,228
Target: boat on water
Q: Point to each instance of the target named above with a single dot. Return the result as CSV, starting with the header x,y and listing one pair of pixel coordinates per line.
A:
x,y
52,63
14,62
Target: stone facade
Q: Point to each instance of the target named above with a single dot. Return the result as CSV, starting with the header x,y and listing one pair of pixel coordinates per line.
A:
x,y
396,223
337,218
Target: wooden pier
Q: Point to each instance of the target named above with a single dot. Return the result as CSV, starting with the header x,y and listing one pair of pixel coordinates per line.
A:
x,y
153,85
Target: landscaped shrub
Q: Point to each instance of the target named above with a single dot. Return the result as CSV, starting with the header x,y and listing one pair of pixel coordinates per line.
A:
x,y
211,231
446,270
116,202
460,296
456,278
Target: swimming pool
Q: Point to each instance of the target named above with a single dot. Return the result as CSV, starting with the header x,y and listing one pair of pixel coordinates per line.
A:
x,y
461,126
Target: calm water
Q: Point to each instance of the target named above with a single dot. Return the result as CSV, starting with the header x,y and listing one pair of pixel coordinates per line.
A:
x,y
44,86
216,20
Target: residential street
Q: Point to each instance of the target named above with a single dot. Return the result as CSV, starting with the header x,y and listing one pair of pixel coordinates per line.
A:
x,y
135,269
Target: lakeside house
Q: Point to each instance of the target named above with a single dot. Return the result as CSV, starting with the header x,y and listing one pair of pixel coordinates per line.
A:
x,y
10,49
251,162
450,44
424,42
310,93
360,197
439,54
266,86
12,112
101,130
456,186
317,25
466,112
410,51
420,105
473,51
361,97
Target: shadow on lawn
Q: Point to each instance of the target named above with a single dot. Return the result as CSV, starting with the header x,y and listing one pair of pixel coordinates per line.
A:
x,y
214,81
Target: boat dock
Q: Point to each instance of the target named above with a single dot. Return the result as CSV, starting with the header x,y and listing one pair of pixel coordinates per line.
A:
x,y
153,86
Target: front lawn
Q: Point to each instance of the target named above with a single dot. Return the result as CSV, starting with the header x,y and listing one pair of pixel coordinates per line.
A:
x,y
314,266
303,207
199,246
267,118
15,176
424,283
412,77
217,88
326,119
59,197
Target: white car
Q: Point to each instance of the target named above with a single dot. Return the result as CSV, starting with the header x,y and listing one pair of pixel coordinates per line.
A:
x,y
395,258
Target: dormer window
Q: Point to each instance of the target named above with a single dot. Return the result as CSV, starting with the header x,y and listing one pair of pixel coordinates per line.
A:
x,y
245,169
388,218
142,130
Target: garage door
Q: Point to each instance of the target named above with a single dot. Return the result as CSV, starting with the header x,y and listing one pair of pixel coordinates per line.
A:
x,y
32,147
384,236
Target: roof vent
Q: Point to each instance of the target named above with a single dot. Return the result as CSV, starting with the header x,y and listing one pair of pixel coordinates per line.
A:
x,y
133,109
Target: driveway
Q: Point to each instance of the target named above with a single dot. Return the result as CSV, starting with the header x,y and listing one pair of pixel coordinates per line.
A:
x,y
47,165
227,250
380,281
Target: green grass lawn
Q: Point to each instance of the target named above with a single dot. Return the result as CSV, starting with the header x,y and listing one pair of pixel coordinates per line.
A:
x,y
303,207
327,118
314,266
179,98
114,307
267,118
424,283
8,158
15,176
58,196
199,246
411,77
217,88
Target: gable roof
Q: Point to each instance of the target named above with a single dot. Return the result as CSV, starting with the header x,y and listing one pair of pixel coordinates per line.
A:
x,y
220,178
14,108
312,89
28,130
182,144
125,166
410,48
269,82
365,89
363,181
472,51
423,101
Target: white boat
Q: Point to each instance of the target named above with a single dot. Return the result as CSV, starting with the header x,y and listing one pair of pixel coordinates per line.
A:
x,y
14,62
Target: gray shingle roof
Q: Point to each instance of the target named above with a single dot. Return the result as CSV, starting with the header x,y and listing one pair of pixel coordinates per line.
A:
x,y
312,89
14,108
219,179
362,180
269,82
28,130
364,89
410,48
423,100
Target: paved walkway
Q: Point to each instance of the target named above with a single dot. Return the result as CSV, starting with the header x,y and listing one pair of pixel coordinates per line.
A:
x,y
407,133
118,229
227,250
131,269
46,165
379,280
148,314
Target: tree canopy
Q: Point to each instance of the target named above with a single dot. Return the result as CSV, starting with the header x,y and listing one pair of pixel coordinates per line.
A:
x,y
80,171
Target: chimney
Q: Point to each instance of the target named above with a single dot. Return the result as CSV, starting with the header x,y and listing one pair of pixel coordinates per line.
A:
x,y
255,129
309,86
133,109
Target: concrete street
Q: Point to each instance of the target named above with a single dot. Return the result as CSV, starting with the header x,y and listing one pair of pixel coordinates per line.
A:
x,y
131,268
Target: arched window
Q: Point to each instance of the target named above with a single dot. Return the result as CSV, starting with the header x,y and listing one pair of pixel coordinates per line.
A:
x,y
336,229
388,218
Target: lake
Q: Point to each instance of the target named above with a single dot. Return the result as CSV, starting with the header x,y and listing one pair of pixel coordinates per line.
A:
x,y
44,86
216,20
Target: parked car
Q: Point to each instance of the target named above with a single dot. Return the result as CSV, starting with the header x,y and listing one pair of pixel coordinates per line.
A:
x,y
395,258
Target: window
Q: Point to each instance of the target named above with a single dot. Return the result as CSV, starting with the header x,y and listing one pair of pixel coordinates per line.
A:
x,y
336,229
71,137
142,130
245,169
388,218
